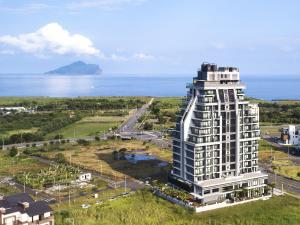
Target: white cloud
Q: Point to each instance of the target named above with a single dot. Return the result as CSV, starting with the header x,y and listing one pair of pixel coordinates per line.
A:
x,y
102,4
52,38
116,57
143,56
140,56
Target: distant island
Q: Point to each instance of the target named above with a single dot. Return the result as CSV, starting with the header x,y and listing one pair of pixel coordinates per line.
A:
x,y
77,68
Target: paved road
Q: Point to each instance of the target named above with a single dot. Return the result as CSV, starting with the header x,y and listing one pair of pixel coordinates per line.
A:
x,y
128,126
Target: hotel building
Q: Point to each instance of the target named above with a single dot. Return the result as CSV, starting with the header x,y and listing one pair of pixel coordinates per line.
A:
x,y
215,145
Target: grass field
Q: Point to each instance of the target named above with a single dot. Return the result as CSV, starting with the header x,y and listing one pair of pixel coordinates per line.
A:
x,y
88,126
6,189
273,130
9,133
278,159
147,209
10,166
99,156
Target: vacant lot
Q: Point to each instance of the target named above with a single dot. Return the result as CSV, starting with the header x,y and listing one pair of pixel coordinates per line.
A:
x,y
278,159
145,208
99,156
11,166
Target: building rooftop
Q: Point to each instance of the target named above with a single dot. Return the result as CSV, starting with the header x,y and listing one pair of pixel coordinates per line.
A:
x,y
23,203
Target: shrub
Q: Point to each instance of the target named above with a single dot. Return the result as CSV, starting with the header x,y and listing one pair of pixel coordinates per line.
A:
x,y
83,142
148,126
27,151
60,158
13,152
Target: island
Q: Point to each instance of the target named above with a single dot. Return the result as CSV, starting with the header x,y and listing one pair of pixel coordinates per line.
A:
x,y
77,68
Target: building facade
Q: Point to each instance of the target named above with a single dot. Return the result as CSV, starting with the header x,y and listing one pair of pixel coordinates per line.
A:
x,y
215,145
291,135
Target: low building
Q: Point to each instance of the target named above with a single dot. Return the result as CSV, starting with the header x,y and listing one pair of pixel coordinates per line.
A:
x,y
290,135
13,110
84,177
21,209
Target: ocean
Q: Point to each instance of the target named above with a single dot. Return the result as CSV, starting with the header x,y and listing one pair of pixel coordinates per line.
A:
x,y
258,86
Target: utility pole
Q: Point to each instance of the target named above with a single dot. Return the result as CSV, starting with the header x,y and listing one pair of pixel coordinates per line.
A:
x,y
2,143
59,193
69,198
125,183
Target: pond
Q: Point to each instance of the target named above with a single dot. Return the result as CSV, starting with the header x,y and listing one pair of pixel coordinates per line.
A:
x,y
135,158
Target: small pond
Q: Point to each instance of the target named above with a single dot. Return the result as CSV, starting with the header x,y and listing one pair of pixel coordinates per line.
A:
x,y
135,158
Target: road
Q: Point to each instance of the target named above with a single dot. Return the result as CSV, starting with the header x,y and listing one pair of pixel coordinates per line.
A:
x,y
129,125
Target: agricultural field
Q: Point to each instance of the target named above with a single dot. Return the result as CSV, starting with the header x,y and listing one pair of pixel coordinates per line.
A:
x,y
145,208
52,116
88,126
52,175
100,156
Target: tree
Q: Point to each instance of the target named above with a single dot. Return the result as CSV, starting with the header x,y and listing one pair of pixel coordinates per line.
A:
x,y
161,119
60,158
148,126
122,153
115,155
13,152
83,142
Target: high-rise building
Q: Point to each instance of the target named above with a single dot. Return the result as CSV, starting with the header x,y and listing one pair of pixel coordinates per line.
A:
x,y
215,144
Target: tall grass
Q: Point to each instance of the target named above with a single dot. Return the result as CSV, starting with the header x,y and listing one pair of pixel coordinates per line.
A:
x,y
145,209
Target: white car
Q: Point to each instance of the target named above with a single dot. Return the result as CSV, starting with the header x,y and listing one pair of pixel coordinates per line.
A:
x,y
85,206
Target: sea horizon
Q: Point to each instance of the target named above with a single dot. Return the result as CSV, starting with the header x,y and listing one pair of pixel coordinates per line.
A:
x,y
265,87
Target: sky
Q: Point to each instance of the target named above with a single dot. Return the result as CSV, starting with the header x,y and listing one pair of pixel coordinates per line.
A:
x,y
150,36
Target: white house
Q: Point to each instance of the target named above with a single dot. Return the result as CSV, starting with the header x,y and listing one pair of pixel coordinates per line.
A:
x,y
23,210
84,177
291,135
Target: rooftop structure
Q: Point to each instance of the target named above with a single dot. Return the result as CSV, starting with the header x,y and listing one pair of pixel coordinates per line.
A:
x,y
215,145
21,209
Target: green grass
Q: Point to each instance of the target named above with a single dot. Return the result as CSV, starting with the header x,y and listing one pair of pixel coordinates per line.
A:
x,y
10,166
6,189
19,131
147,209
291,171
273,130
88,126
